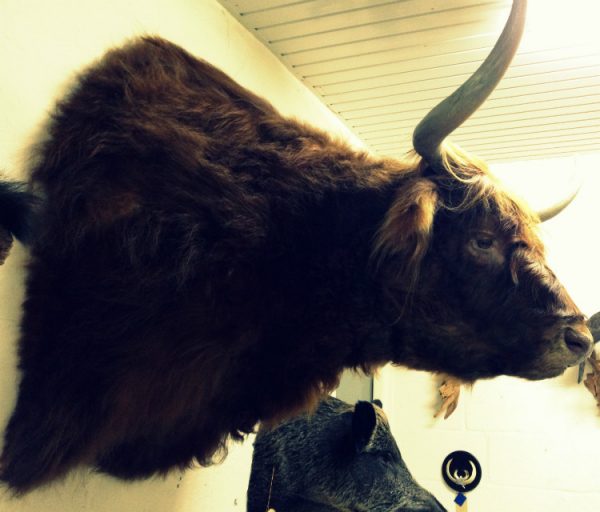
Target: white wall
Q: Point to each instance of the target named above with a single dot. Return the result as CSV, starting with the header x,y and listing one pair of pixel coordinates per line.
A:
x,y
538,442
42,44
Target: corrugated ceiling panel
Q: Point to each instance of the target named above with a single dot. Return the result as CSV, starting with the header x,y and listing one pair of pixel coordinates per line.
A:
x,y
380,65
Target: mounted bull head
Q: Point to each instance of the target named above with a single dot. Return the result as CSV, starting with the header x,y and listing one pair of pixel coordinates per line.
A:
x,y
200,263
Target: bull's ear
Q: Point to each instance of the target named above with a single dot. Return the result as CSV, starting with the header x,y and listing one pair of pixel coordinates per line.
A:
x,y
408,223
364,422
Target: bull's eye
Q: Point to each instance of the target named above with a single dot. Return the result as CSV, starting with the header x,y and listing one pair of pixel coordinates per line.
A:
x,y
486,249
482,243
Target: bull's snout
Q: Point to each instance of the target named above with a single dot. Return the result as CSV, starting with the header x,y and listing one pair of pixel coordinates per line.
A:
x,y
578,341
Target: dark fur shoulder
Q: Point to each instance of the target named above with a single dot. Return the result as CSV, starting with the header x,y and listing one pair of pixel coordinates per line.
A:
x,y
185,255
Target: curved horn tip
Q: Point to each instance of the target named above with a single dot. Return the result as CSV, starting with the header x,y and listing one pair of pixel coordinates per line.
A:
x,y
553,210
451,112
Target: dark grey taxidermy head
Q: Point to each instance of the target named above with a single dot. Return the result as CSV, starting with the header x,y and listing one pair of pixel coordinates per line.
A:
x,y
594,326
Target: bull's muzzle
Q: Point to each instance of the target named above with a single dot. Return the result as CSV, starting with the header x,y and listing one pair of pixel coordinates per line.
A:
x,y
578,341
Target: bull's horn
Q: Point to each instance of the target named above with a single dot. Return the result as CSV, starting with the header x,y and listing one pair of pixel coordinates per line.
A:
x,y
451,112
553,210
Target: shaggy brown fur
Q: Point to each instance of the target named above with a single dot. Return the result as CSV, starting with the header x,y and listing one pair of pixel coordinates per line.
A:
x,y
202,263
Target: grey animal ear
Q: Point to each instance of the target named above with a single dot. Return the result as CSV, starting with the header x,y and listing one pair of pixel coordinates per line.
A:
x,y
593,324
364,421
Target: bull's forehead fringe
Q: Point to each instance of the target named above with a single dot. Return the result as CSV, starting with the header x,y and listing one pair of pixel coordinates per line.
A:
x,y
482,189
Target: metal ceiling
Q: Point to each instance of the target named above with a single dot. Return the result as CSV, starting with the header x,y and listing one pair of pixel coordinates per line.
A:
x,y
380,65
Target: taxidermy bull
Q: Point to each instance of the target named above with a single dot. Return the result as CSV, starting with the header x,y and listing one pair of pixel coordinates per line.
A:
x,y
339,458
200,263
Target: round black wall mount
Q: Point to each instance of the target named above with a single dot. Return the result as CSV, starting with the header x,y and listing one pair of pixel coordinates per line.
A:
x,y
461,471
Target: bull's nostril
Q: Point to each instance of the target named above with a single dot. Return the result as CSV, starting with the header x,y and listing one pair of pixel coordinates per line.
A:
x,y
577,342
